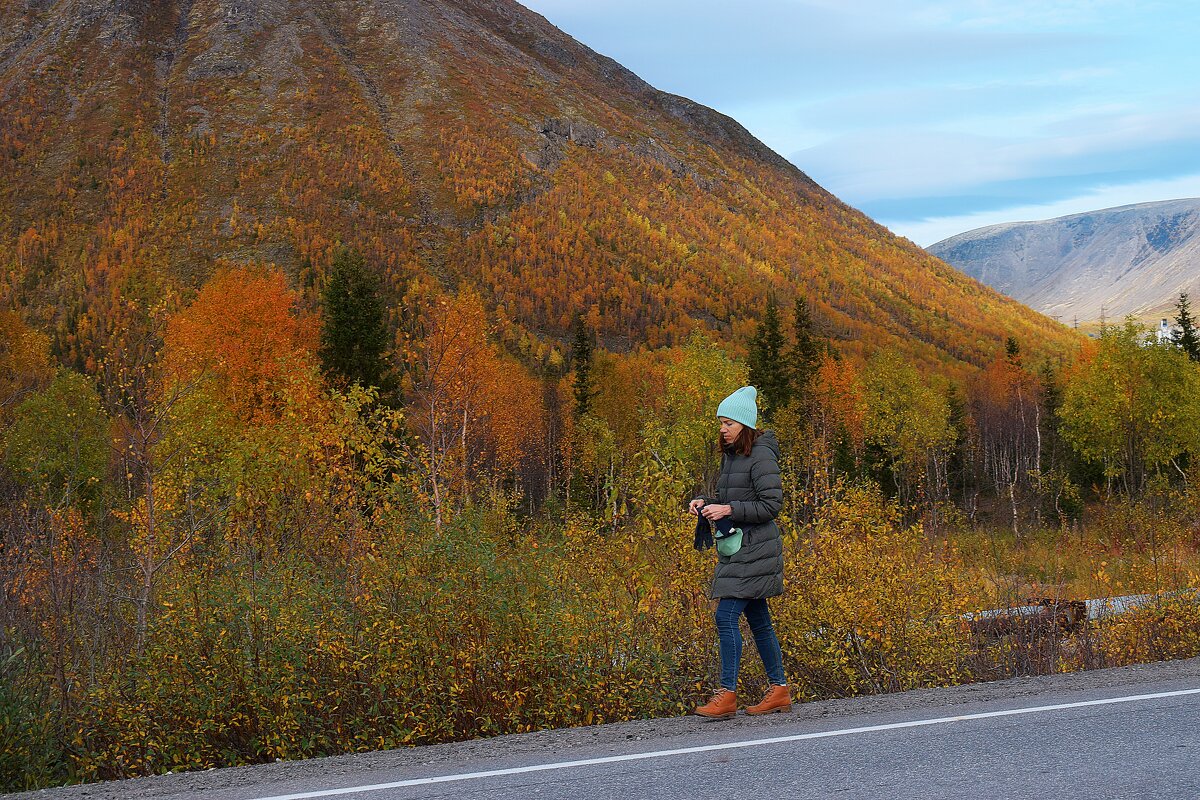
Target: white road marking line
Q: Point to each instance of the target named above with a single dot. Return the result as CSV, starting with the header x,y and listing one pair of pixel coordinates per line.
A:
x,y
467,776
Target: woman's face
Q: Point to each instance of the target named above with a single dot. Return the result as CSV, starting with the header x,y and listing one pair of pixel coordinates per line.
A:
x,y
729,430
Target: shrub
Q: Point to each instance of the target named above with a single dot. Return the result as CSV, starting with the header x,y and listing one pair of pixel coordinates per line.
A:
x,y
1165,629
29,746
869,608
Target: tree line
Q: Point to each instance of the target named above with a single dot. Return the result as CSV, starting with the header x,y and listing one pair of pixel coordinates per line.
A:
x,y
241,463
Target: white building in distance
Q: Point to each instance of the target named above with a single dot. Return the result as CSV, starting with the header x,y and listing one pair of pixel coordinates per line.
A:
x,y
1166,332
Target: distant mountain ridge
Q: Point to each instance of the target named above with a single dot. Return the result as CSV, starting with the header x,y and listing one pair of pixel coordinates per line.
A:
x,y
456,144
1133,259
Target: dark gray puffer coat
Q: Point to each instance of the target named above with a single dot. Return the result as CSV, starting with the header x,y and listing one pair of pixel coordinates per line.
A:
x,y
751,486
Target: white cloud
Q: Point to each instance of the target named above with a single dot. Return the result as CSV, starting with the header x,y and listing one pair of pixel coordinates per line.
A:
x,y
884,164
888,164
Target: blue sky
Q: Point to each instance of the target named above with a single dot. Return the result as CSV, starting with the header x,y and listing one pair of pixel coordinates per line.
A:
x,y
935,116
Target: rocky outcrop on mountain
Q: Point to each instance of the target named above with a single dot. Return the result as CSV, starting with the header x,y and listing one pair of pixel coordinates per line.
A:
x,y
1134,259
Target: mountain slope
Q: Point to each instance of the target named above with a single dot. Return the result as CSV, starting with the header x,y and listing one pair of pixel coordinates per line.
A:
x,y
144,142
1133,259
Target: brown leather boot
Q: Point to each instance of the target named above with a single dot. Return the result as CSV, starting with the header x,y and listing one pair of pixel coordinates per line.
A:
x,y
723,705
777,700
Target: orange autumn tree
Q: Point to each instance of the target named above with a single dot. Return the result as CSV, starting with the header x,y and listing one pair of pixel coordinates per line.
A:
x,y
235,436
243,331
829,431
476,411
1006,406
256,432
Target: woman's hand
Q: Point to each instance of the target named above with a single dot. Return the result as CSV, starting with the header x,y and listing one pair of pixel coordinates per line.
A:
x,y
714,511
694,506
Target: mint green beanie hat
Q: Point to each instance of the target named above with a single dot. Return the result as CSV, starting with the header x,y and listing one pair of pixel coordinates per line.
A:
x,y
740,407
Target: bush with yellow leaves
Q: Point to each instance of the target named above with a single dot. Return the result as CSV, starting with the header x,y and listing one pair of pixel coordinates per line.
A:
x,y
1168,627
486,628
869,607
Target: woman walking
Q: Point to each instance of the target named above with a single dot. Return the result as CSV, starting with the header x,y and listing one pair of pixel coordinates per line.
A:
x,y
749,496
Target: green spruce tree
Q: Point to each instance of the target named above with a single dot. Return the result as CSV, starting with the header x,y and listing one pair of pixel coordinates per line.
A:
x,y
1187,337
804,357
1012,350
767,366
581,360
354,332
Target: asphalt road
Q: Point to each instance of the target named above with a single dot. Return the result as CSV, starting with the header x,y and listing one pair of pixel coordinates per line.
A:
x,y
1125,733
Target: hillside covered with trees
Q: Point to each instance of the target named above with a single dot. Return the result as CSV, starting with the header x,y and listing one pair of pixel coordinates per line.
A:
x,y
453,143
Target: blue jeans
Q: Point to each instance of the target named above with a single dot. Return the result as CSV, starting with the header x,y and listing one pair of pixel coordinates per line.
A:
x,y
729,611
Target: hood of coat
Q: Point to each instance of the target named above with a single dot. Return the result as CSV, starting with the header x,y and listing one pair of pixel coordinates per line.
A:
x,y
767,439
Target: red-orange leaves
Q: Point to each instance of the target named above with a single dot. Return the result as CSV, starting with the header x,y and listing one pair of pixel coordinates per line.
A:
x,y
242,332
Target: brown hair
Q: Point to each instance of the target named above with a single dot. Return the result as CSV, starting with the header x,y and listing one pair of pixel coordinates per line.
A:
x,y
744,442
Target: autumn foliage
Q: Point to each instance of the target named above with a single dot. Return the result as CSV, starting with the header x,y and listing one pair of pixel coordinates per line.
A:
x,y
242,331
213,551
308,570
